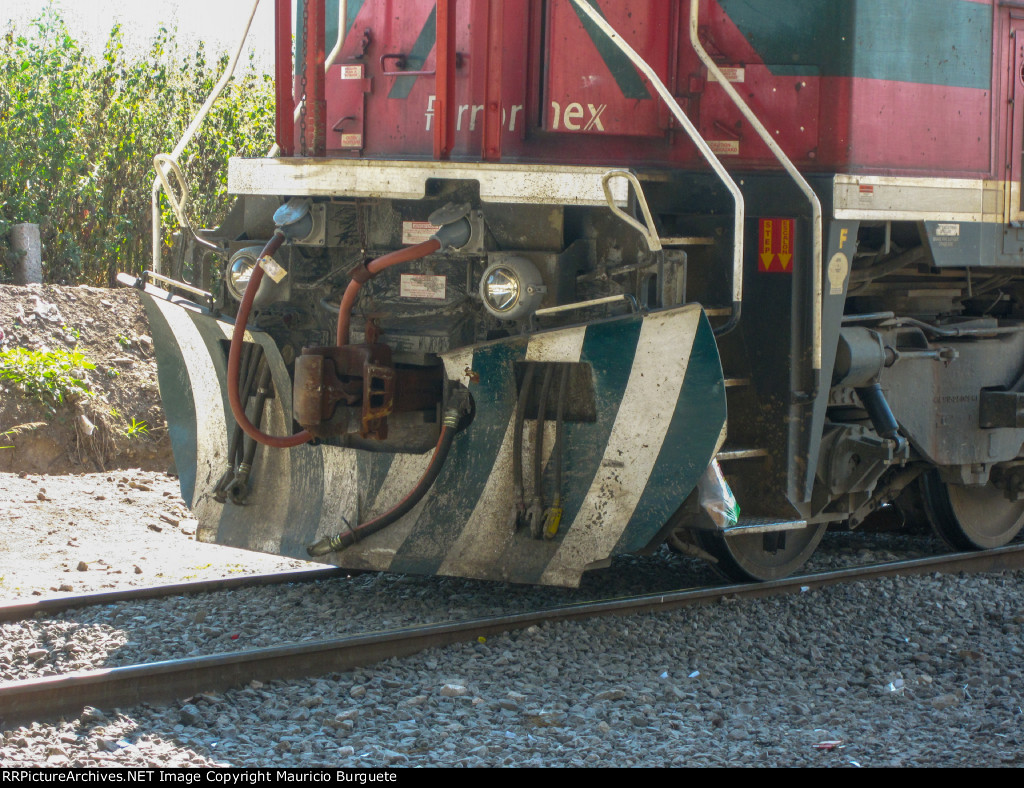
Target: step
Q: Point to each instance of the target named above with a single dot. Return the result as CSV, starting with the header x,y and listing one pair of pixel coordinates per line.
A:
x,y
687,240
731,383
740,454
763,525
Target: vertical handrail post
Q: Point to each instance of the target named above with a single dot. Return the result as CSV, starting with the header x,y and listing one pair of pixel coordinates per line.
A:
x,y
492,82
283,78
444,81
794,173
316,100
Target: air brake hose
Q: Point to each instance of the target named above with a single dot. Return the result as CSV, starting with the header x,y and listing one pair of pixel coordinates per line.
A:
x,y
365,273
332,544
235,355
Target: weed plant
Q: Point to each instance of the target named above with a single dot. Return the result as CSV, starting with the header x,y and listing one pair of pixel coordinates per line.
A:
x,y
47,375
78,136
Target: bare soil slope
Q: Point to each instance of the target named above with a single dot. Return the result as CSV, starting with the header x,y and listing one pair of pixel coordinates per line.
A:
x,y
121,424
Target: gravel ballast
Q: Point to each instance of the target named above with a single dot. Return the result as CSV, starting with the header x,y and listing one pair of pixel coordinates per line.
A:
x,y
922,671
915,671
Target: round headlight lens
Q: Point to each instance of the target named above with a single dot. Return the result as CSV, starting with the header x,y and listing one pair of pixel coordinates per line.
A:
x,y
501,288
239,274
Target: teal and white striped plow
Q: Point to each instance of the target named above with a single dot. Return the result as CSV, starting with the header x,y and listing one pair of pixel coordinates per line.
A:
x,y
659,399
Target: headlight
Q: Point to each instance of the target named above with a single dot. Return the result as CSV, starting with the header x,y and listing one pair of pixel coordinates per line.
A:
x,y
501,290
240,272
512,288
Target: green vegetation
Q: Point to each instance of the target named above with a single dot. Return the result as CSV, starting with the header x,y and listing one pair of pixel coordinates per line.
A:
x,y
47,375
78,136
136,429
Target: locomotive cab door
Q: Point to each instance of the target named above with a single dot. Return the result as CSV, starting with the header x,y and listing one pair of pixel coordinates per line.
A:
x,y
1013,164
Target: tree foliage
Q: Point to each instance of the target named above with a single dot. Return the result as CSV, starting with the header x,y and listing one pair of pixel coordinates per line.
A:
x,y
78,135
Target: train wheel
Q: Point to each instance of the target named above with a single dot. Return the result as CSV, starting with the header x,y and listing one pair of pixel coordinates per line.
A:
x,y
970,518
761,556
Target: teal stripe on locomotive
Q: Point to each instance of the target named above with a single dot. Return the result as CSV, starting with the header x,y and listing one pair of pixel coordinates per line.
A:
x,y
468,467
605,349
352,9
933,42
695,428
609,349
622,69
622,480
417,57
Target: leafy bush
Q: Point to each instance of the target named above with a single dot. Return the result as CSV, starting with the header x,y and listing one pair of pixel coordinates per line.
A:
x,y
48,375
78,136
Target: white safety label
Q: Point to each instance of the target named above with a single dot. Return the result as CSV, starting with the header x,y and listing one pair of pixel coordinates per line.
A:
x,y
417,232
273,270
424,286
731,73
725,147
947,230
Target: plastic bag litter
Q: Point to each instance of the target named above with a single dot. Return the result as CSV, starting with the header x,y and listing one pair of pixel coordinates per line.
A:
x,y
716,498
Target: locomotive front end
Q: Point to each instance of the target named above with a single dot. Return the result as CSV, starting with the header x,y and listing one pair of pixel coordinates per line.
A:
x,y
441,407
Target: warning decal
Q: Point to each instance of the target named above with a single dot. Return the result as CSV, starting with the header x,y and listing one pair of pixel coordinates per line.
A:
x,y
775,246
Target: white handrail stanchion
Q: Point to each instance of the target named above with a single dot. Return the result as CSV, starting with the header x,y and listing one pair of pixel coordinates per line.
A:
x,y
165,160
787,164
695,136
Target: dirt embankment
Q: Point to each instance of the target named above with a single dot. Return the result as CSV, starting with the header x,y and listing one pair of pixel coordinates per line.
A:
x,y
117,420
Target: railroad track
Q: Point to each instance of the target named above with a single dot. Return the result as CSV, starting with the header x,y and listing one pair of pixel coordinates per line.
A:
x,y
51,697
20,611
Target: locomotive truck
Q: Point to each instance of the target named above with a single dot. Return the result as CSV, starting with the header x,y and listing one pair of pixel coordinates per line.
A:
x,y
523,280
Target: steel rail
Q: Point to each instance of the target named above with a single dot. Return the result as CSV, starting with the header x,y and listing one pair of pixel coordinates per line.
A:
x,y
20,611
51,697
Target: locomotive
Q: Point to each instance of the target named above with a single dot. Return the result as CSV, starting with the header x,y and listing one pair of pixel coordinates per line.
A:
x,y
530,284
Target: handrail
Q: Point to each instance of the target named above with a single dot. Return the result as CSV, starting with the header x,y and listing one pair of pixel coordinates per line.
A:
x,y
162,160
740,215
647,230
787,164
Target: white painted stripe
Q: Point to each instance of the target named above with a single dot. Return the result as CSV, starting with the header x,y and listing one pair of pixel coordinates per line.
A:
x,y
211,422
563,345
457,362
405,471
531,184
487,533
643,419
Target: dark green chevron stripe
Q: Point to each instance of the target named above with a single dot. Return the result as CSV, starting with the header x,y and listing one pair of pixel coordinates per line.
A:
x,y
622,70
417,57
351,12
461,482
331,21
689,443
934,42
610,349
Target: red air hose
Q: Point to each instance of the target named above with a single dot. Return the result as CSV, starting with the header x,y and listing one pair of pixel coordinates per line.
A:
x,y
364,274
333,544
371,269
235,357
